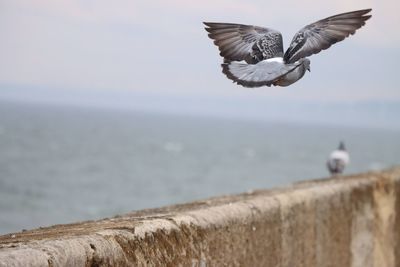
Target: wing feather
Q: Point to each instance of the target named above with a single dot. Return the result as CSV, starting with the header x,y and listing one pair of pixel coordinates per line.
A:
x,y
324,33
237,42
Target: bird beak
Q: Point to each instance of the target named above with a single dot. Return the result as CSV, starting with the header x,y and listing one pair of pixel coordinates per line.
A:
x,y
309,69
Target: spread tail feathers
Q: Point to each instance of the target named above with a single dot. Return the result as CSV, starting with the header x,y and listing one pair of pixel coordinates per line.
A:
x,y
255,75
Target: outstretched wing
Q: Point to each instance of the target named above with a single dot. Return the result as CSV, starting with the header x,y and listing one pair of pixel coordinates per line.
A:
x,y
322,34
256,75
237,42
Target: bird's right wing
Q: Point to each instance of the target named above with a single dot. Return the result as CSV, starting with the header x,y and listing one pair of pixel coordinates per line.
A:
x,y
237,42
256,75
322,34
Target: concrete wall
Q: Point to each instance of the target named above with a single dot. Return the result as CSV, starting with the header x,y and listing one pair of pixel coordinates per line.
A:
x,y
349,221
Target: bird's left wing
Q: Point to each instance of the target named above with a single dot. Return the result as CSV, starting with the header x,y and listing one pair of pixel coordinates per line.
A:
x,y
322,34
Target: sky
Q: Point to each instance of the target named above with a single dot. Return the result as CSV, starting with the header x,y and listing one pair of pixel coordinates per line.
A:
x,y
134,53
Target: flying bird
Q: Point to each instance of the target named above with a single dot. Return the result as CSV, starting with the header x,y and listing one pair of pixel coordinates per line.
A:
x,y
253,55
338,160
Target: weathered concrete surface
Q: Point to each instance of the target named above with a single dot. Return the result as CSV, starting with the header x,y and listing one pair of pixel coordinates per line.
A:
x,y
349,221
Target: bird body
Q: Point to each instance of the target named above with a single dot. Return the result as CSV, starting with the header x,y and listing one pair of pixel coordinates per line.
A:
x,y
254,57
291,77
295,75
338,160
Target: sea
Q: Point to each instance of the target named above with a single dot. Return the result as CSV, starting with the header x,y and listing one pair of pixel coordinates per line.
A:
x,y
62,164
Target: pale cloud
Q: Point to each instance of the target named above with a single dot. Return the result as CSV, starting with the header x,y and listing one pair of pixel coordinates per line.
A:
x,y
103,11
161,13
161,46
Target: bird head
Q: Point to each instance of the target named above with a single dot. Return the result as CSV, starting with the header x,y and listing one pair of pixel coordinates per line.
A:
x,y
342,146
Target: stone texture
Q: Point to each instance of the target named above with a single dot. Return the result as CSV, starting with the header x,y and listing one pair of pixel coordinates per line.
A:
x,y
345,221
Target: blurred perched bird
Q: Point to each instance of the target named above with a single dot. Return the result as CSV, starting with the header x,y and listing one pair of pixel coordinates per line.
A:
x,y
338,160
253,56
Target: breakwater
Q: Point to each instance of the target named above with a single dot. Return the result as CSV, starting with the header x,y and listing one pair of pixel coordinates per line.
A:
x,y
344,221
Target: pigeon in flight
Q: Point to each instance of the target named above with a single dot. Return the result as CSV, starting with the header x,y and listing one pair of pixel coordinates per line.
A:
x,y
338,160
253,56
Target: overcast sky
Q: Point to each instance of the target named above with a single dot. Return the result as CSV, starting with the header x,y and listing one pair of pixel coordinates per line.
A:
x,y
161,48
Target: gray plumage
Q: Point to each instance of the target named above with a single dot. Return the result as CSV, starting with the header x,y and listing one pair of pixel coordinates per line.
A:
x,y
254,44
265,72
237,42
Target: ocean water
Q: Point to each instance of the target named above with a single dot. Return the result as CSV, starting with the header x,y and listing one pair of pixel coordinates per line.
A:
x,y
65,164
